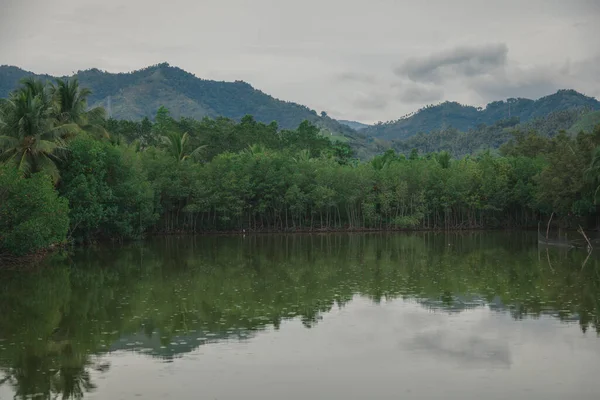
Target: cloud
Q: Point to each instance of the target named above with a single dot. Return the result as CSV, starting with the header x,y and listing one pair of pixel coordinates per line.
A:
x,y
531,84
459,61
358,77
372,100
535,81
321,59
467,351
419,94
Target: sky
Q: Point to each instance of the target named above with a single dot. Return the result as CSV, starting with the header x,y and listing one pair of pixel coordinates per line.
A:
x,y
369,61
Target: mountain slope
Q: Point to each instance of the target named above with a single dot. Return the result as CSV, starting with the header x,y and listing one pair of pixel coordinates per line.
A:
x,y
353,124
140,93
461,117
492,137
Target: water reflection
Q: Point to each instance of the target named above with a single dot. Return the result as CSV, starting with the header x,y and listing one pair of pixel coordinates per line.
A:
x,y
169,296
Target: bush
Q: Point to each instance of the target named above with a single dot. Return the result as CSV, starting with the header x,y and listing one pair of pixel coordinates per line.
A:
x,y
32,215
107,190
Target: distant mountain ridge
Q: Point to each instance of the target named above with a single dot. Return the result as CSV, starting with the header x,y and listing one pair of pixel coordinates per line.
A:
x,y
357,126
140,93
462,117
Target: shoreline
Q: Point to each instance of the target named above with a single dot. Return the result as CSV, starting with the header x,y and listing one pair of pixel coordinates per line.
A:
x,y
334,230
10,262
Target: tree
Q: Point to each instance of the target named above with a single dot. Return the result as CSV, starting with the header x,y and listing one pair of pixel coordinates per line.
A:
x,y
72,107
32,215
177,145
108,192
30,136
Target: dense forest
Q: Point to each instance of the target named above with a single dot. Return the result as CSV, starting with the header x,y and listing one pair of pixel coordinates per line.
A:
x,y
70,174
448,115
484,137
139,94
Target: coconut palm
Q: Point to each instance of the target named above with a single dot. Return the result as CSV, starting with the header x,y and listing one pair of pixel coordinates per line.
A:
x,y
443,159
72,107
302,156
255,149
30,137
177,145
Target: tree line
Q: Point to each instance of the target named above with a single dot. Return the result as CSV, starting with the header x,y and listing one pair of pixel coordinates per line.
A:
x,y
70,174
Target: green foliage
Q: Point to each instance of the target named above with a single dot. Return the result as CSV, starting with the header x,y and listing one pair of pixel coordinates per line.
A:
x,y
298,182
107,190
182,174
495,136
31,137
32,216
447,115
141,93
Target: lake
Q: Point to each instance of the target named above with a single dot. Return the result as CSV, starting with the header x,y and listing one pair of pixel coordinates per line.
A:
x,y
332,316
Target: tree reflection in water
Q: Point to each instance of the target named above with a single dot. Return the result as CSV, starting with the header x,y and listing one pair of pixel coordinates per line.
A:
x,y
170,295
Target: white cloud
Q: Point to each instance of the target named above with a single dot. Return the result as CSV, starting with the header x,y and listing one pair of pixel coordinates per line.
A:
x,y
330,55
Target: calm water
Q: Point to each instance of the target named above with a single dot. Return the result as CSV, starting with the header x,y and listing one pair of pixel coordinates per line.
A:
x,y
424,316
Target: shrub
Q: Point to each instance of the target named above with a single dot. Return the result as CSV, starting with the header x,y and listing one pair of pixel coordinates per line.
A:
x,y
32,215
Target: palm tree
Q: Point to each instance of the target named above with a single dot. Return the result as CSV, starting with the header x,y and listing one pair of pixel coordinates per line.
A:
x,y
177,145
302,156
72,107
255,149
443,159
30,137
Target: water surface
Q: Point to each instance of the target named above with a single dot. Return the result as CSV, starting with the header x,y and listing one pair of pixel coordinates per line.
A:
x,y
348,316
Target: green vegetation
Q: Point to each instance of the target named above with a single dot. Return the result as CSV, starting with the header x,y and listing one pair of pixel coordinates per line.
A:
x,y
108,193
463,118
353,124
484,137
32,216
123,178
141,93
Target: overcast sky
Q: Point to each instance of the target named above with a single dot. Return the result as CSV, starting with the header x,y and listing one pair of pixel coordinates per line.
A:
x,y
356,59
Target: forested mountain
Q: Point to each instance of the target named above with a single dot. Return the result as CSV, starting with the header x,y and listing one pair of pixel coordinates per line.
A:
x,y
484,137
139,94
449,126
461,117
353,124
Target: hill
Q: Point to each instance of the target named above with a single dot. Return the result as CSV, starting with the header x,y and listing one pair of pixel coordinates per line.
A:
x,y
463,118
139,94
357,126
484,137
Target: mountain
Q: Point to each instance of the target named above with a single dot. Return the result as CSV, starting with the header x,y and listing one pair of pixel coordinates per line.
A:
x,y
357,126
454,115
139,94
484,137
586,123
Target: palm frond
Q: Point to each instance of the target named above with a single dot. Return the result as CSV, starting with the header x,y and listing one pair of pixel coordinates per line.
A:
x,y
47,146
97,131
96,115
62,131
196,152
47,166
7,142
7,155
23,163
